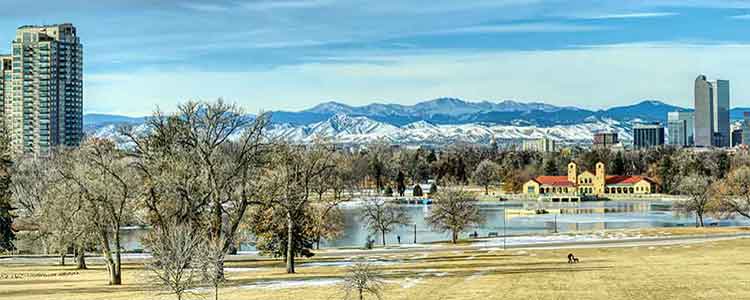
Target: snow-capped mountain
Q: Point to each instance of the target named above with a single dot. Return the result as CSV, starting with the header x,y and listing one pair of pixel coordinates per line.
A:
x,y
438,122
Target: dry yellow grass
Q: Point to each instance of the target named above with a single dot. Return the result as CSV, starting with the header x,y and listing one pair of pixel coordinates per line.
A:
x,y
712,270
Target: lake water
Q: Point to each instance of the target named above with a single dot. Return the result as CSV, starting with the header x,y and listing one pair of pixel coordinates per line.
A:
x,y
621,214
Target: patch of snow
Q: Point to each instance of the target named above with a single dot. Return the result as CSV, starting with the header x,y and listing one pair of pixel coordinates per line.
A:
x,y
288,284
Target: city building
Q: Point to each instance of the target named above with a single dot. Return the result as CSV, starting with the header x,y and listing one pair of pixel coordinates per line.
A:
x,y
6,65
680,128
589,184
711,112
540,145
44,107
604,140
736,137
745,128
648,135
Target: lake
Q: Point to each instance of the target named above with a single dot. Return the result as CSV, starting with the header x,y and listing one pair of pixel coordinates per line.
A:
x,y
619,215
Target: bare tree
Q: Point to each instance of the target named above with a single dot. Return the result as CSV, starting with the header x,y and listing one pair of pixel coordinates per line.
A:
x,y
361,280
454,210
104,180
212,272
201,164
381,216
289,185
735,192
486,174
176,253
700,191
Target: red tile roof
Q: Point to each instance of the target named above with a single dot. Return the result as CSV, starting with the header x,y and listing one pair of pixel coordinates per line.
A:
x,y
626,179
554,180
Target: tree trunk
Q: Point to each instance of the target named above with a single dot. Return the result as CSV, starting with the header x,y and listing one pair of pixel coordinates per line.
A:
x,y
289,243
700,219
383,232
216,292
361,294
117,274
62,258
454,237
486,190
81,259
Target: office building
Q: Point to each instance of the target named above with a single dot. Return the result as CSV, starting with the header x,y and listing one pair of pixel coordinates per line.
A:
x,y
720,90
648,135
736,139
745,128
711,112
540,145
44,107
680,128
604,140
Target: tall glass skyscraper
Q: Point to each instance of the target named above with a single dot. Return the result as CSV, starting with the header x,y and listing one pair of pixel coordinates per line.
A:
x,y
711,112
44,106
680,128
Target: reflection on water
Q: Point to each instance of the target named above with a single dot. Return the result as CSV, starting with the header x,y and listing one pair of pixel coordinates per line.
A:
x,y
586,216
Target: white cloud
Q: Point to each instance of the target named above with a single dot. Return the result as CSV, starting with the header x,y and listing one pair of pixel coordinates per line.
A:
x,y
633,15
524,27
741,17
205,7
586,77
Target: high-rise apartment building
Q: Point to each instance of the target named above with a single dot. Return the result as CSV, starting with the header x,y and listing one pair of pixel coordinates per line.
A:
x,y
711,112
648,135
6,65
680,128
43,107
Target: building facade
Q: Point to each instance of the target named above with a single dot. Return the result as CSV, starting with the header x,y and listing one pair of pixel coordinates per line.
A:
x,y
589,184
648,135
604,140
720,98
680,128
44,108
711,112
6,74
540,145
736,139
745,128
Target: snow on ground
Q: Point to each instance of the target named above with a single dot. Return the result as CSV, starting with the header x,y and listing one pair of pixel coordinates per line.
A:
x,y
238,270
495,243
287,284
348,263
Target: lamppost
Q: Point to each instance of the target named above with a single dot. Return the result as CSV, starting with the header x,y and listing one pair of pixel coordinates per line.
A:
x,y
505,220
415,233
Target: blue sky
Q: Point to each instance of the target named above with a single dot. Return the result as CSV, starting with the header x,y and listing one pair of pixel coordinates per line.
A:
x,y
293,54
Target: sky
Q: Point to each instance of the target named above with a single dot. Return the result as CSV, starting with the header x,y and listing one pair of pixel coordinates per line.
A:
x,y
294,54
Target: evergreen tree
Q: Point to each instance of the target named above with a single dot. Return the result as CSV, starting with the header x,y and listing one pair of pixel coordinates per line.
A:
x,y
7,234
400,183
618,164
417,191
550,166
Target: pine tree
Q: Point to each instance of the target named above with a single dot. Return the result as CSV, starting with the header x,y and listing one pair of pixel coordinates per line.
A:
x,y
7,233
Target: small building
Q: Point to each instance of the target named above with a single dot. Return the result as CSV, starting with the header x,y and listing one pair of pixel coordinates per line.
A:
x,y
543,145
589,184
604,140
737,137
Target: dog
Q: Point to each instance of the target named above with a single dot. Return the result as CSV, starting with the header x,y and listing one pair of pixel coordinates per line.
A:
x,y
572,259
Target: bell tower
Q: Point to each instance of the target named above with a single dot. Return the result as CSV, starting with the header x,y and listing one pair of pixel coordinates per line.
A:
x,y
601,178
573,172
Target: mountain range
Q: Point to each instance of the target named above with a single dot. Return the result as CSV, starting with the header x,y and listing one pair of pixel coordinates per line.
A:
x,y
440,121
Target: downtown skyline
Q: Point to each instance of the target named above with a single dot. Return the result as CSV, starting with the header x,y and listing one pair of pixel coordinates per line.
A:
x,y
291,55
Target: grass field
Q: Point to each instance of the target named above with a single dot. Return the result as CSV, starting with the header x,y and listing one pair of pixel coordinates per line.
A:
x,y
711,270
